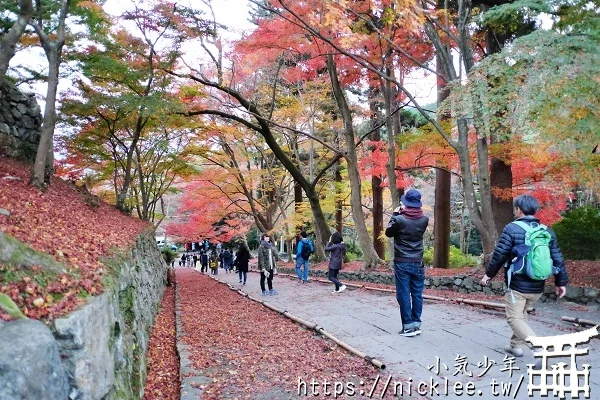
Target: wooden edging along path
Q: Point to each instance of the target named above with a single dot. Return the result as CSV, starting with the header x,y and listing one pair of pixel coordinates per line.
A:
x,y
458,300
309,325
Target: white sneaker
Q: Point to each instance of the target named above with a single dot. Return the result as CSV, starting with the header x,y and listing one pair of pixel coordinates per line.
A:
x,y
514,351
342,288
334,292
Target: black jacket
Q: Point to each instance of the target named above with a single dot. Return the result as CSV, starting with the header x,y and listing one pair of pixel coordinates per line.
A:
x,y
338,251
513,235
408,237
241,259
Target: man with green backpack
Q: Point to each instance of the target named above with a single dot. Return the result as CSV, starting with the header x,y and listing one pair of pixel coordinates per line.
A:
x,y
530,254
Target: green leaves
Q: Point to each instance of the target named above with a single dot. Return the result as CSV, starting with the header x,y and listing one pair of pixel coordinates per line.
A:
x,y
510,17
10,307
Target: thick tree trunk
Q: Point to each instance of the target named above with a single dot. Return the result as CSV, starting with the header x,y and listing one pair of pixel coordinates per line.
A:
x,y
441,225
500,172
370,256
501,178
298,199
378,244
482,218
38,177
443,183
44,159
322,231
393,128
10,39
389,95
376,189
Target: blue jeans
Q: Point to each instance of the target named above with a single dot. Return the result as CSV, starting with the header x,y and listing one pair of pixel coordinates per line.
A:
x,y
410,280
302,274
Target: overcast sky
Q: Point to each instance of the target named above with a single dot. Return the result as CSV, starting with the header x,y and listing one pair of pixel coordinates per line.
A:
x,y
233,14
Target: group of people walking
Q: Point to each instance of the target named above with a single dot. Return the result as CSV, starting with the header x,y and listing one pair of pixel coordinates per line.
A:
x,y
523,246
267,258
213,260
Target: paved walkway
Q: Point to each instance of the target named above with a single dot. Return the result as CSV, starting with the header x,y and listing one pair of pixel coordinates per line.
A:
x,y
452,336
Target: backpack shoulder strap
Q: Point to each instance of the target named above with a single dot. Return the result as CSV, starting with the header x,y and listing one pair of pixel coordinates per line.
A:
x,y
527,227
523,225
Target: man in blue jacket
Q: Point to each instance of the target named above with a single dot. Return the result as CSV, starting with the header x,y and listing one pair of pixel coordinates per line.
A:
x,y
523,291
303,251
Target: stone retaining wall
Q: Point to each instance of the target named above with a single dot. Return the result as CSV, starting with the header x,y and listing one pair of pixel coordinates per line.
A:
x,y
459,283
101,346
20,123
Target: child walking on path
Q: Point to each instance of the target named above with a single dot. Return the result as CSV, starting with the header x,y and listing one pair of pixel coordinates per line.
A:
x,y
337,249
266,264
213,263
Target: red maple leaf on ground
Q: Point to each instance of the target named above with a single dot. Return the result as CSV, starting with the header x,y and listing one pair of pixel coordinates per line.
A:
x,y
249,351
162,382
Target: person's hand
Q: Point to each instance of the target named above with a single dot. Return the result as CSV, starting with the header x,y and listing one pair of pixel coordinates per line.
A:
x,y
274,271
398,209
484,281
263,271
561,291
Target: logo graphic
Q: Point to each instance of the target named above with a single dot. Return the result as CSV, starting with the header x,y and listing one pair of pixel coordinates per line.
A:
x,y
560,379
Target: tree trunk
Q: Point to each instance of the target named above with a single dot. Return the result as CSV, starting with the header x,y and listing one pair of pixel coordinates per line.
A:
x,y
339,204
10,39
370,256
377,190
443,183
481,217
43,167
441,224
393,128
390,94
501,178
298,207
500,171
47,137
322,231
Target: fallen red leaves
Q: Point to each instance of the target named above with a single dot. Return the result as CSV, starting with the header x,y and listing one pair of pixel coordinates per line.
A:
x,y
162,382
584,273
58,222
251,352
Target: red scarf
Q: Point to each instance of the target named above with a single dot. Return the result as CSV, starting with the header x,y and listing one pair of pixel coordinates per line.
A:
x,y
412,213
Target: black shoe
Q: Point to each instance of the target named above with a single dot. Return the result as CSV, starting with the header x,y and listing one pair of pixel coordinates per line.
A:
x,y
409,332
418,330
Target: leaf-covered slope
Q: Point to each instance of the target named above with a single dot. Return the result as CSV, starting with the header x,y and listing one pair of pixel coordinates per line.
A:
x,y
65,223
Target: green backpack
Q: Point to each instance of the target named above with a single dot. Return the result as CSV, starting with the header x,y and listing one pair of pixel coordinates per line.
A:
x,y
538,263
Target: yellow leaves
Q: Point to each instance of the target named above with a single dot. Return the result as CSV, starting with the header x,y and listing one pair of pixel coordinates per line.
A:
x,y
91,5
39,302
